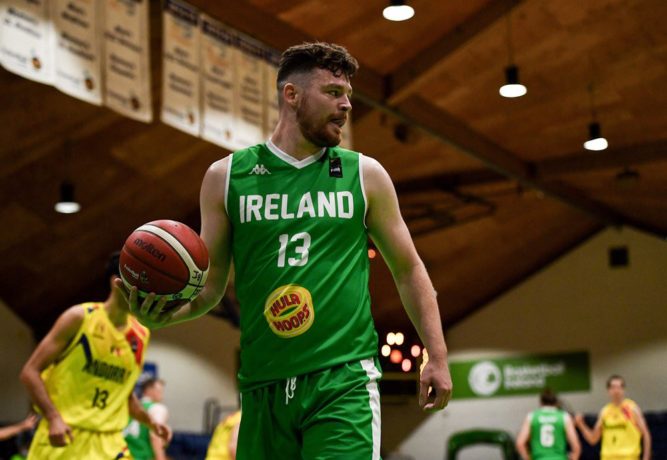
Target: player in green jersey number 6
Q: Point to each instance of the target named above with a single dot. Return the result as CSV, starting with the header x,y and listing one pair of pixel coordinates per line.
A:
x,y
546,431
295,214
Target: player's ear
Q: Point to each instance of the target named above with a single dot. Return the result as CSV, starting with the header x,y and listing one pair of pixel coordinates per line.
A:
x,y
291,94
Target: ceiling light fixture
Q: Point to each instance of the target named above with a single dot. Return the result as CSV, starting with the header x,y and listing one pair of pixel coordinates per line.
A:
x,y
67,204
512,87
595,140
398,11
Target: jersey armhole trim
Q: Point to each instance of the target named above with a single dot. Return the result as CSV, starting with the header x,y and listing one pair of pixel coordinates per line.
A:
x,y
227,179
363,188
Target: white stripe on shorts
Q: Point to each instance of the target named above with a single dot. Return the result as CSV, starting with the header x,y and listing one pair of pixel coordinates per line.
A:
x,y
374,400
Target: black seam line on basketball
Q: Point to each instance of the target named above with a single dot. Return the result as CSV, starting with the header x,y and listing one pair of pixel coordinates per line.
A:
x,y
177,253
166,275
181,243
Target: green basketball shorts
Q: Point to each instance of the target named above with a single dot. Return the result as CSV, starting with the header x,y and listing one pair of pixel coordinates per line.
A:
x,y
326,415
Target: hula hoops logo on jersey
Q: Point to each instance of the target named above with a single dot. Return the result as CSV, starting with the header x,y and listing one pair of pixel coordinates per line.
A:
x,y
289,310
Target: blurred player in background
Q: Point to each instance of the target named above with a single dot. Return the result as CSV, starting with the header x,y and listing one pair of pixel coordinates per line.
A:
x,y
225,437
81,377
621,426
546,432
144,444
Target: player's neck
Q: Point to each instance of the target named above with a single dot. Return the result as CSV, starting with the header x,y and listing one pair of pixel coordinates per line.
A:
x,y
288,138
115,311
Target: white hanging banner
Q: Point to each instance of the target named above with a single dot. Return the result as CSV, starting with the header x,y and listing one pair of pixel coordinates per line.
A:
x,y
127,59
180,67
249,109
218,79
270,92
78,64
26,39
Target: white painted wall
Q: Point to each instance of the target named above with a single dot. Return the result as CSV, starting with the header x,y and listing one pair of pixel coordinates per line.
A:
x,y
578,303
16,345
197,360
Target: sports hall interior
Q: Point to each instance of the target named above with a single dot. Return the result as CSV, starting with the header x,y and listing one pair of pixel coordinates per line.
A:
x,y
535,245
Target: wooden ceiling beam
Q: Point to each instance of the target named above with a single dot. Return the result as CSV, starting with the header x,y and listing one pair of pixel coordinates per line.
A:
x,y
413,73
611,158
371,88
450,180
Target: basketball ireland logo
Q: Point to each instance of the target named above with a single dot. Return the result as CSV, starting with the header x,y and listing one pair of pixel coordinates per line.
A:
x,y
484,378
289,310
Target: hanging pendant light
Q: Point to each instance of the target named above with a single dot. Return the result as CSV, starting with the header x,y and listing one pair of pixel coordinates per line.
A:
x,y
398,10
66,203
595,140
512,87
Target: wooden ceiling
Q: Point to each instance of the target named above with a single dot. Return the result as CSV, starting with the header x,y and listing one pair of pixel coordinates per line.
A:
x,y
492,188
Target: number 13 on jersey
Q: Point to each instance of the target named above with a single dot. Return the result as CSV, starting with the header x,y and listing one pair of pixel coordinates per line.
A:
x,y
298,245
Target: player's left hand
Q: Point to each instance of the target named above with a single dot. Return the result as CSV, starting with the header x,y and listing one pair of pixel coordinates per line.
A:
x,y
435,386
151,312
162,430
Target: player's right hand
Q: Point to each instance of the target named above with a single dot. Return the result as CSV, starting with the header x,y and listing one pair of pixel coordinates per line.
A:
x,y
579,419
59,432
151,313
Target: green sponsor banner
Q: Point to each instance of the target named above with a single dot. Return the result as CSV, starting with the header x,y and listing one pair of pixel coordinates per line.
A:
x,y
522,375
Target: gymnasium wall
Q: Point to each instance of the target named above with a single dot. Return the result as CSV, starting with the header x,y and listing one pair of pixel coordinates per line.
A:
x,y
578,303
197,360
16,345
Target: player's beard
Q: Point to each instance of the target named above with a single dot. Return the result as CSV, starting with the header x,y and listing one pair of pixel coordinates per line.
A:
x,y
316,131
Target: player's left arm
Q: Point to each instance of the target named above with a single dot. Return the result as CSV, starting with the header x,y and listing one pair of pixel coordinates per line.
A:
x,y
572,438
159,414
138,413
646,434
390,233
522,439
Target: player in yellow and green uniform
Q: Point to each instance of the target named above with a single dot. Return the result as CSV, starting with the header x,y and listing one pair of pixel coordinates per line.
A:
x,y
81,377
621,425
295,214
546,432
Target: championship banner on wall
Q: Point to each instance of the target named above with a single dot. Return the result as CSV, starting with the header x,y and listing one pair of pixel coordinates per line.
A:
x,y
270,92
218,79
492,378
250,98
127,59
180,67
26,39
78,67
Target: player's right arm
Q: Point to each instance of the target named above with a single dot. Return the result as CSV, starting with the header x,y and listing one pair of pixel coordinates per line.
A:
x,y
572,438
216,234
48,350
523,438
592,437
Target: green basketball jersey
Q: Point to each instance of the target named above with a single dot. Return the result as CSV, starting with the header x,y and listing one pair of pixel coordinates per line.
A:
x,y
138,437
299,246
547,434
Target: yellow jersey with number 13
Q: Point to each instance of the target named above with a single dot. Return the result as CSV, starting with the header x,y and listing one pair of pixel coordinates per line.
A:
x,y
90,383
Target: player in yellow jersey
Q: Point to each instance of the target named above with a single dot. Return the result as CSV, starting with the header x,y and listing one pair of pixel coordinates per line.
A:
x,y
81,377
225,438
621,426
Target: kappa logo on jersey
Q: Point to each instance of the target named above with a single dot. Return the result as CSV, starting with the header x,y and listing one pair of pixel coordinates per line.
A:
x,y
260,170
289,310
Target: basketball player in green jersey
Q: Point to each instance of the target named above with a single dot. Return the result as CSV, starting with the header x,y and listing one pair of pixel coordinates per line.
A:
x,y
546,431
295,214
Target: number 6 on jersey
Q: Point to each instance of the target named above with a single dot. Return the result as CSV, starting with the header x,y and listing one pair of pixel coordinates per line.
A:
x,y
301,250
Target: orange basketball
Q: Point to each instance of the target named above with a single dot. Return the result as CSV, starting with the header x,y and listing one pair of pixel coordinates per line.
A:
x,y
165,257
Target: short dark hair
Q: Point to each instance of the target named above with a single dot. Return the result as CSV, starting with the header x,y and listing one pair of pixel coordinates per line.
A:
x,y
149,383
317,55
112,267
615,377
548,397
